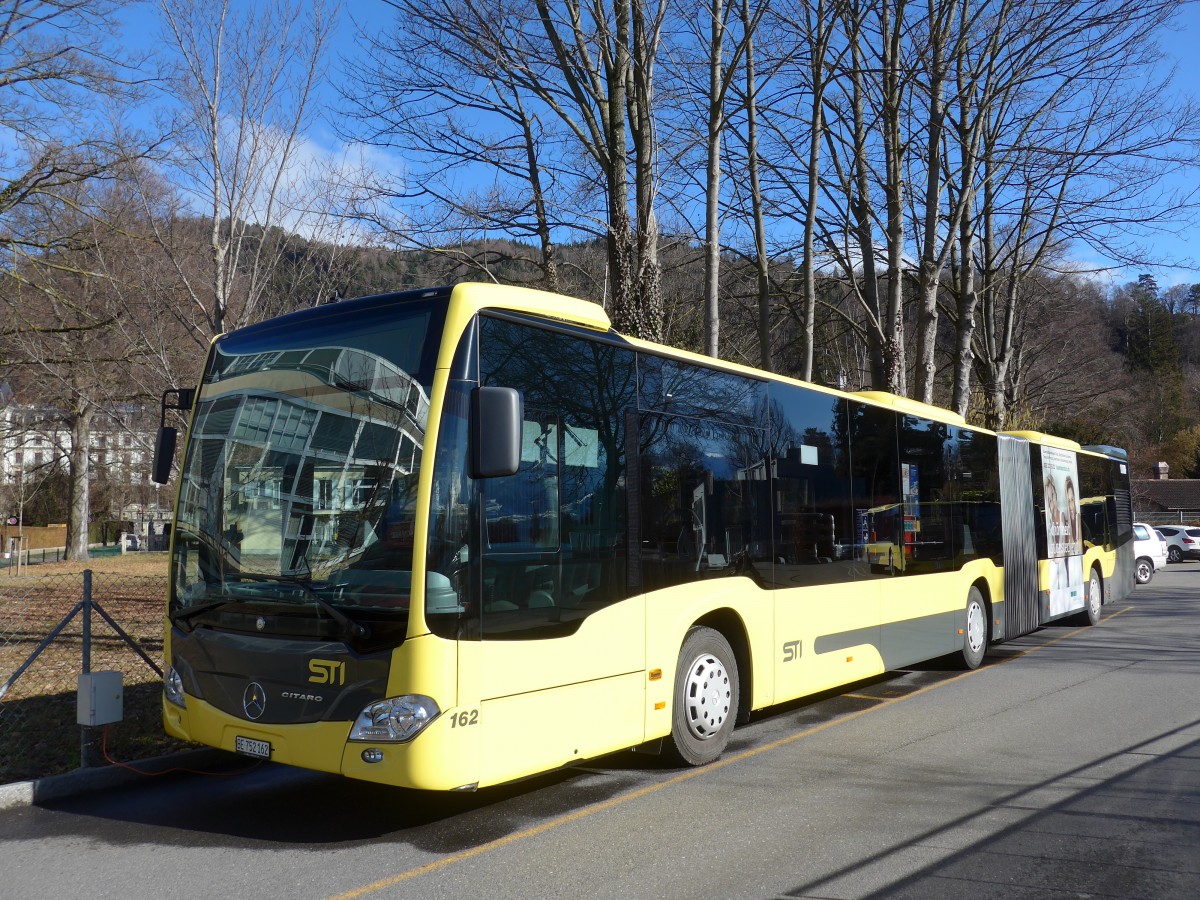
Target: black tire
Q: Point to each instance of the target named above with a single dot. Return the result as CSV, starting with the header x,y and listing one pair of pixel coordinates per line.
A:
x,y
975,631
706,697
1143,570
1174,554
1094,598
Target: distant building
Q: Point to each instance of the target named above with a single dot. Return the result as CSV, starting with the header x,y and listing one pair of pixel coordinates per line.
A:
x,y
35,439
1162,500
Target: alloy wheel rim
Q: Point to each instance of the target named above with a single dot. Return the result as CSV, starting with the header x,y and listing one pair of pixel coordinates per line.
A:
x,y
707,696
975,627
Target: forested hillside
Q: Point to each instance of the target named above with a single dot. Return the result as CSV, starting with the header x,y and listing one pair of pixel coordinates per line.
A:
x,y
937,200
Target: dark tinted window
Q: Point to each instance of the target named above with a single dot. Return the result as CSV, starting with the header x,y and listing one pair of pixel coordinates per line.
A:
x,y
817,540
1039,499
683,389
323,340
704,501
875,469
929,466
1122,508
554,534
1096,502
451,588
976,492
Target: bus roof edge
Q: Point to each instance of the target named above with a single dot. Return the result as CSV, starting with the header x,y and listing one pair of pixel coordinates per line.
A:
x,y
913,407
528,300
1050,440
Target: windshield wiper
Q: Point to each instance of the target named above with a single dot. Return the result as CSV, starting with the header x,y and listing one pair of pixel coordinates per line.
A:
x,y
191,612
352,628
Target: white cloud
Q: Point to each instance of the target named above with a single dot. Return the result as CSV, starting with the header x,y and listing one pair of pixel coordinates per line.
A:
x,y
313,185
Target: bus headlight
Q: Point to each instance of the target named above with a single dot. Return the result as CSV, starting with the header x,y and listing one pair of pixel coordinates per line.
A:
x,y
397,719
173,688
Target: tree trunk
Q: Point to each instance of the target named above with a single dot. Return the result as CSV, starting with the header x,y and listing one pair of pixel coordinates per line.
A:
x,y
761,262
893,190
930,273
712,183
78,511
819,39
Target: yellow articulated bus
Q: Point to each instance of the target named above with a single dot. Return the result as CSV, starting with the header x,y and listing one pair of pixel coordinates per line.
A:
x,y
450,538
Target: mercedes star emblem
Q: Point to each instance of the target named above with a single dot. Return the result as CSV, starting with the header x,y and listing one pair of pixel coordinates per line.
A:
x,y
260,623
254,700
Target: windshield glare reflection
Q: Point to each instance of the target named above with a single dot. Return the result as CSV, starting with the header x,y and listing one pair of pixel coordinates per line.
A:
x,y
302,469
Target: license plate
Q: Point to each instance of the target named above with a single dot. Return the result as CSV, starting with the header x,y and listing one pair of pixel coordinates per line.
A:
x,y
251,747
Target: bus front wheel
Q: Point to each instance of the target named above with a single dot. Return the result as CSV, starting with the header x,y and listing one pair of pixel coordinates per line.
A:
x,y
706,697
975,632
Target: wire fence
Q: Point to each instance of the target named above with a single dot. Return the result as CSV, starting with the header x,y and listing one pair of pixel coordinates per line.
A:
x,y
1175,517
54,628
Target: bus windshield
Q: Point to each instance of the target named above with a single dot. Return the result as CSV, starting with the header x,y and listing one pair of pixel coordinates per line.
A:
x,y
298,487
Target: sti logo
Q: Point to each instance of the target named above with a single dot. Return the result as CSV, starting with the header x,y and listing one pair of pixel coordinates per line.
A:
x,y
327,671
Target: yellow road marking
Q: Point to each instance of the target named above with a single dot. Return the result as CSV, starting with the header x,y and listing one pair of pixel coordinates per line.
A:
x,y
613,802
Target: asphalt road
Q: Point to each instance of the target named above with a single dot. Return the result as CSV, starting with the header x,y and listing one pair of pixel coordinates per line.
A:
x,y
1068,765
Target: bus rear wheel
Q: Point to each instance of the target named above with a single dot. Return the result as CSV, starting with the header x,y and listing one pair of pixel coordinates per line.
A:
x,y
706,697
1095,598
975,631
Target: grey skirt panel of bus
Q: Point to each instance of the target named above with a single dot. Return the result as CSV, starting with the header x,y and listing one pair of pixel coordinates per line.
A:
x,y
1020,546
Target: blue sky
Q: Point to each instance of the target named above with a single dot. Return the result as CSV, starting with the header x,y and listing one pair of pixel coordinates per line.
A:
x,y
1181,47
1183,247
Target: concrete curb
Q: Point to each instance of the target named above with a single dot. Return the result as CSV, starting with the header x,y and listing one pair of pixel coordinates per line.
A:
x,y
82,781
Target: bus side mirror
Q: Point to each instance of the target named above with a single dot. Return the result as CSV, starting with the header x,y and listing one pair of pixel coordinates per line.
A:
x,y
164,445
164,454
496,424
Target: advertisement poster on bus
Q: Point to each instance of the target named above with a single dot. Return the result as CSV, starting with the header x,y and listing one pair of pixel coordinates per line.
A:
x,y
1064,543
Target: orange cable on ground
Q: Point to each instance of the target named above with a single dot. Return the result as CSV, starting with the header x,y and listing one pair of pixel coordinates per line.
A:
x,y
136,771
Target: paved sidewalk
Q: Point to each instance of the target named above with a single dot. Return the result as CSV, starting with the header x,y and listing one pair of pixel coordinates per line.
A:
x,y
82,781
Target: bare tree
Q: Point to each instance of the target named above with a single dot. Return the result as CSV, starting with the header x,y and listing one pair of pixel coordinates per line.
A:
x,y
818,25
243,85
63,341
935,226
724,47
1073,148
799,63
586,67
482,159
762,270
867,152
59,72
605,57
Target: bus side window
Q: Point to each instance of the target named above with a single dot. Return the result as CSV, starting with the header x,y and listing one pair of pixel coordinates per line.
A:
x,y
816,538
704,501
554,533
875,469
931,527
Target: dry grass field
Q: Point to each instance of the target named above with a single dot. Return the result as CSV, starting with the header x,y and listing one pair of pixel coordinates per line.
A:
x,y
38,734
138,565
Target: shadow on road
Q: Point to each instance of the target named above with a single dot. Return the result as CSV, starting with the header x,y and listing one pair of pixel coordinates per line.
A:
x,y
1131,835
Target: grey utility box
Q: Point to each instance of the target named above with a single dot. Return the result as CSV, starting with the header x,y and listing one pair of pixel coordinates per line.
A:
x,y
101,698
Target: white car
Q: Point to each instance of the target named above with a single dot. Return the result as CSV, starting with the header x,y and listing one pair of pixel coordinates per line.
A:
x,y
1149,552
1183,542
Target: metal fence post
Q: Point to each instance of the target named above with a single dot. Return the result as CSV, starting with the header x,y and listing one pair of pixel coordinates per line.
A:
x,y
85,733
